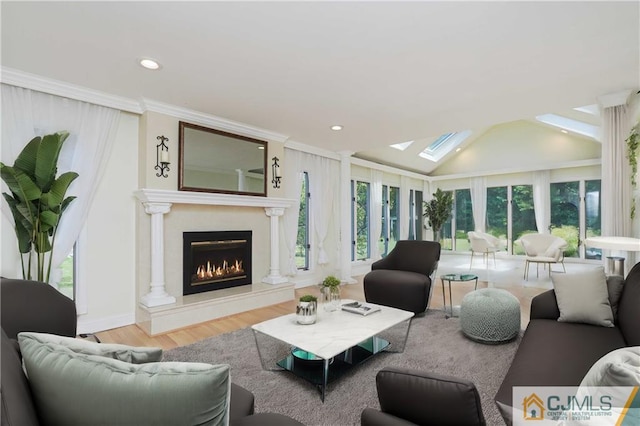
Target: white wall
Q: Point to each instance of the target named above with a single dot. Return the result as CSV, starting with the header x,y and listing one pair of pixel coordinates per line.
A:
x,y
108,257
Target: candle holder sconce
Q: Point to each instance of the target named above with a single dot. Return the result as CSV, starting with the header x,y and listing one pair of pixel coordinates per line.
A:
x,y
162,157
275,172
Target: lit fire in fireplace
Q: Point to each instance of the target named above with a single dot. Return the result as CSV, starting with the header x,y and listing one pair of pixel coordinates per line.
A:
x,y
226,270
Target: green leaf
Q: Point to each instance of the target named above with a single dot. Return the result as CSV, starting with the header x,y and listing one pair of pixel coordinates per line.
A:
x,y
20,183
59,188
26,160
47,160
22,227
66,203
48,220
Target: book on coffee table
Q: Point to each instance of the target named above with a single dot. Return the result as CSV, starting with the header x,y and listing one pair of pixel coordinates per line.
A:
x,y
361,308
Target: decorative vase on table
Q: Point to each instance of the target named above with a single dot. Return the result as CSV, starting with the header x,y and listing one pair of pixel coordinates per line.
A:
x,y
331,298
307,310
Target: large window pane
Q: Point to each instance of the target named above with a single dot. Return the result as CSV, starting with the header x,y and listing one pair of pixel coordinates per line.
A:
x,y
394,213
497,211
593,210
302,242
523,215
360,227
383,241
66,285
565,214
417,218
464,218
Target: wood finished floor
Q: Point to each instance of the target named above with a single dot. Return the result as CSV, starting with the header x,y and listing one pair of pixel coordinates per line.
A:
x,y
133,335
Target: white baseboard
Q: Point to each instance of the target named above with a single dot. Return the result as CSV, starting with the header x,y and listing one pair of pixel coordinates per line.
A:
x,y
95,326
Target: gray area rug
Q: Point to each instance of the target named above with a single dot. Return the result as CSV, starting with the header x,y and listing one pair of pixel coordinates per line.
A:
x,y
434,344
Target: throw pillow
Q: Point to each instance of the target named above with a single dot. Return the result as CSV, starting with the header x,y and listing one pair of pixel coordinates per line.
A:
x,y
617,368
614,376
72,388
583,297
132,354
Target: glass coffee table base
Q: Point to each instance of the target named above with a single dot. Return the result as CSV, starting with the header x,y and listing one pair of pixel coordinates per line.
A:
x,y
321,372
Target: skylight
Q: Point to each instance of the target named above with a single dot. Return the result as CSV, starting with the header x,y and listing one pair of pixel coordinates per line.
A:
x,y
402,145
444,145
589,109
569,124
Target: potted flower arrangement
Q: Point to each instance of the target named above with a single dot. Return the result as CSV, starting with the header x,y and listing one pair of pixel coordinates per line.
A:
x,y
330,288
307,309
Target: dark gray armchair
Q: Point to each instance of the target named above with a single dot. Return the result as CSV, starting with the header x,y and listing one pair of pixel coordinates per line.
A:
x,y
403,279
413,397
38,307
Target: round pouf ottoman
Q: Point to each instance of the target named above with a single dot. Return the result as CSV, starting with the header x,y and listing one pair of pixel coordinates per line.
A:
x,y
490,315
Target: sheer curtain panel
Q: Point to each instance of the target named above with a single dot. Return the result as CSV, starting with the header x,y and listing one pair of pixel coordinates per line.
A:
x,y
376,212
92,131
542,200
478,189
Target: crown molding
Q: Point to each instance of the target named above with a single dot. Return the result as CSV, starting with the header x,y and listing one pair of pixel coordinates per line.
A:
x,y
321,152
67,90
219,123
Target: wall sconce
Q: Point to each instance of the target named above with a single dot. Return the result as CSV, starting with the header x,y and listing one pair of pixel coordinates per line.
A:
x,y
275,172
162,157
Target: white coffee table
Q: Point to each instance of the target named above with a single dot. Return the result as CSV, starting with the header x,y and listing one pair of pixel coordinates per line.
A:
x,y
339,340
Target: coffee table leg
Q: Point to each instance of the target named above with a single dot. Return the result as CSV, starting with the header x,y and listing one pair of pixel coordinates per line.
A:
x,y
325,377
444,300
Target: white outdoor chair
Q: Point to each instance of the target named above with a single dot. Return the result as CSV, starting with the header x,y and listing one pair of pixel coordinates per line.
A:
x,y
483,243
542,248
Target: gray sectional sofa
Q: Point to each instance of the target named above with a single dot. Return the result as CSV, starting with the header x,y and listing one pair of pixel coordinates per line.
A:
x,y
554,353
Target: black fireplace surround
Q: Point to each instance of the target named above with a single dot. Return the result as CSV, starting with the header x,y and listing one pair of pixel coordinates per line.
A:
x,y
215,260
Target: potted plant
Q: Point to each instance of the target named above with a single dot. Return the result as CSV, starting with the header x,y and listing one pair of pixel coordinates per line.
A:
x,y
37,201
437,211
330,289
307,309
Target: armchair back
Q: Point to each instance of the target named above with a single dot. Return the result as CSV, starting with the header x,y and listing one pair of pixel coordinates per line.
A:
x,y
421,257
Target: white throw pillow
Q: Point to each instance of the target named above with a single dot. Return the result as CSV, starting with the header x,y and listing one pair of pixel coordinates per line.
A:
x,y
583,297
617,368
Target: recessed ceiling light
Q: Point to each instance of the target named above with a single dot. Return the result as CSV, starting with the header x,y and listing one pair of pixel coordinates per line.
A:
x,y
261,147
564,131
150,64
459,149
336,127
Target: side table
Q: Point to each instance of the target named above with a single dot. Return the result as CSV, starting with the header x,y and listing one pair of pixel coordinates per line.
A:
x,y
454,277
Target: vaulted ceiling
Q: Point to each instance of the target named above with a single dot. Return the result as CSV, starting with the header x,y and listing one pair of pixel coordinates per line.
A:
x,y
389,72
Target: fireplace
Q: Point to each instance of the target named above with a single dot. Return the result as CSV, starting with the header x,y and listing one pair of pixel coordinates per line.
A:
x,y
215,260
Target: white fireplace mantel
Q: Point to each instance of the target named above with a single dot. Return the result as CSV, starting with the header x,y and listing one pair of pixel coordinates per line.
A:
x,y
158,202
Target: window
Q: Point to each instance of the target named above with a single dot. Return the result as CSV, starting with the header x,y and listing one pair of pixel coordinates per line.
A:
x,y
415,214
565,214
497,212
390,226
360,234
523,217
592,216
67,283
464,218
302,242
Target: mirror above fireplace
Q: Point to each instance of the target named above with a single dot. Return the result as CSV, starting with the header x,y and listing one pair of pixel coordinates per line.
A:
x,y
216,161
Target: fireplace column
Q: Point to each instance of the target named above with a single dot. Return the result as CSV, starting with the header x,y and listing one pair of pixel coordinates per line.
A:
x,y
157,295
274,276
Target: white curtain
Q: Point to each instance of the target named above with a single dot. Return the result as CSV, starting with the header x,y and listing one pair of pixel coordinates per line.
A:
x,y
376,212
542,200
292,185
616,193
324,179
478,189
27,113
403,211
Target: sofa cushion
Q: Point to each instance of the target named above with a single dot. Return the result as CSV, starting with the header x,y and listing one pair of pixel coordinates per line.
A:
x,y
17,404
555,353
132,354
615,284
583,297
77,389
